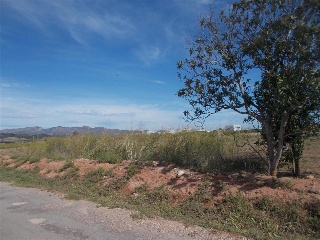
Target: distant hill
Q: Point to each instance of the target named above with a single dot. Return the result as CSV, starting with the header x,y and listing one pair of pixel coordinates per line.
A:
x,y
60,131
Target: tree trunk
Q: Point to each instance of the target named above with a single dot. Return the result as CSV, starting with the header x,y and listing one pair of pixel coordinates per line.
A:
x,y
270,149
296,167
297,149
273,169
275,148
273,164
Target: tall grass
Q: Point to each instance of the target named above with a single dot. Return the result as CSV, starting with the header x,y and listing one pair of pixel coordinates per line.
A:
x,y
214,151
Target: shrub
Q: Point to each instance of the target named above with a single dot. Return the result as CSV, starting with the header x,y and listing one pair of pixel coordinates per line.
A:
x,y
94,176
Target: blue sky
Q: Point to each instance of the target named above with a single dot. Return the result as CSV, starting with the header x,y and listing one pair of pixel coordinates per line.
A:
x,y
98,63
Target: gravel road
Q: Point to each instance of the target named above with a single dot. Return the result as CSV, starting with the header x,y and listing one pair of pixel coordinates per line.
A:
x,y
27,213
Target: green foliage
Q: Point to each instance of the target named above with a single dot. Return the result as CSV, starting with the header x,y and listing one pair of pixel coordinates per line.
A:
x,y
278,38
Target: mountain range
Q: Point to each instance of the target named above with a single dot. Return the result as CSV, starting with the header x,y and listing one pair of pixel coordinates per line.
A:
x,y
61,131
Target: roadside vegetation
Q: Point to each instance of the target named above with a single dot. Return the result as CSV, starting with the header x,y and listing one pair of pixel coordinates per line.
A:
x,y
201,151
214,153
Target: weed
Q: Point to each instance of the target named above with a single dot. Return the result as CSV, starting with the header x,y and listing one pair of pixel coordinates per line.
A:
x,y
132,170
21,161
71,174
137,216
34,159
159,194
313,208
109,173
34,170
94,176
285,184
24,178
141,189
220,186
289,216
68,164
280,183
116,184
108,157
203,194
5,164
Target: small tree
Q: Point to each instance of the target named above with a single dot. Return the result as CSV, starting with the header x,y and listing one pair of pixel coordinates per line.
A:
x,y
279,38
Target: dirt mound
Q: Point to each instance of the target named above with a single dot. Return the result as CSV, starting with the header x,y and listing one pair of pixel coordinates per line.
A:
x,y
184,182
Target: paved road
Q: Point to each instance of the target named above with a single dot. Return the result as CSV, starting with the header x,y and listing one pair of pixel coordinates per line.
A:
x,y
33,214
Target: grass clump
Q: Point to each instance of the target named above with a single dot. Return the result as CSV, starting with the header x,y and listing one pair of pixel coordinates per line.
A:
x,y
280,183
116,184
132,169
67,165
141,189
95,176
158,195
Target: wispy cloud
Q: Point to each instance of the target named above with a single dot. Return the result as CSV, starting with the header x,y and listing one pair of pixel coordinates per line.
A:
x,y
13,85
5,85
27,10
75,17
158,82
150,54
79,22
151,34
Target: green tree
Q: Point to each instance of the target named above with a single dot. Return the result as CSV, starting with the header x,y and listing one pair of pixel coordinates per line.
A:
x,y
280,39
